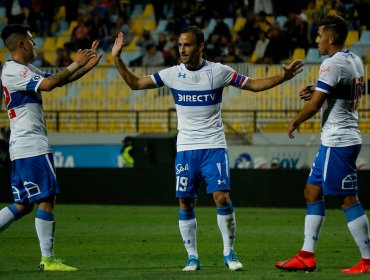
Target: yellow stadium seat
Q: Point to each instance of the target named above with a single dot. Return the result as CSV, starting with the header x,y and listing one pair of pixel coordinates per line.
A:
x,y
49,44
239,24
148,10
352,37
298,53
61,40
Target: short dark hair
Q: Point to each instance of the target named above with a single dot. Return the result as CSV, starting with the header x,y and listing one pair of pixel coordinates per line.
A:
x,y
199,35
14,29
337,26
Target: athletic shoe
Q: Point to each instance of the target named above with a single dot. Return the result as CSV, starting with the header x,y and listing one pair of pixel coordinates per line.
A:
x,y
232,262
302,261
54,264
362,267
192,264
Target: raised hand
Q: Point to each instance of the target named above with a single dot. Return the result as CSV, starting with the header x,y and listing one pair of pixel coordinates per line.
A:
x,y
118,44
95,59
306,93
288,72
83,56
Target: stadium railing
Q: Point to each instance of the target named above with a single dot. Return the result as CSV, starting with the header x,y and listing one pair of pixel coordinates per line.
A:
x,y
101,101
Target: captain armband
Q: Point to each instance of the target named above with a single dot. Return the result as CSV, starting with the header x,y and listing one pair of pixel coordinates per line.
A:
x,y
238,80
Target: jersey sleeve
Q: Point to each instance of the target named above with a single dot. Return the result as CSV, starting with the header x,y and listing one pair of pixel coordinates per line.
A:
x,y
231,77
24,78
162,77
328,76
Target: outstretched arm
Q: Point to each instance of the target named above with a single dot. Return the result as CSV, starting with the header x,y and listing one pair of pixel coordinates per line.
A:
x,y
308,111
51,82
134,81
287,73
88,66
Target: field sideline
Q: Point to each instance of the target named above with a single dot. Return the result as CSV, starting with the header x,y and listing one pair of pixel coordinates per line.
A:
x,y
139,242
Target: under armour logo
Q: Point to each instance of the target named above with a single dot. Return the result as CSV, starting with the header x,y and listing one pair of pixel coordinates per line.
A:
x,y
221,181
181,75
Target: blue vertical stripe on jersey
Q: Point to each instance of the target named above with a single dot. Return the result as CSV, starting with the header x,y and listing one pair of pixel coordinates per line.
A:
x,y
354,211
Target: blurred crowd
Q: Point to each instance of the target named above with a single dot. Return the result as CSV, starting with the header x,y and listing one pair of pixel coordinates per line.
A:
x,y
271,31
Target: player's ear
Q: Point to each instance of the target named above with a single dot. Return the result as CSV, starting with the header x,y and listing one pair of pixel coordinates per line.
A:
x,y
332,40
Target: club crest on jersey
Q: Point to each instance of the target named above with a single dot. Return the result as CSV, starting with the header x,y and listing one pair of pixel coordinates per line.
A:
x,y
36,78
23,73
195,78
179,75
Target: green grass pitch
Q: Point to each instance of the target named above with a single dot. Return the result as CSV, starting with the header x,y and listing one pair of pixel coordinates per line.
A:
x,y
139,242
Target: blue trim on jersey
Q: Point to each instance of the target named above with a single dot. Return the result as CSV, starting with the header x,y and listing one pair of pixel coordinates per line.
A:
x,y
354,212
186,214
158,79
23,97
44,215
197,98
15,211
225,210
316,208
324,86
33,83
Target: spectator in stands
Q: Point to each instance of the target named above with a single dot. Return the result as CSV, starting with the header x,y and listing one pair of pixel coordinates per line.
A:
x,y
33,178
63,57
334,171
261,47
152,57
99,30
41,16
80,38
276,50
16,10
145,40
197,86
122,25
40,60
222,29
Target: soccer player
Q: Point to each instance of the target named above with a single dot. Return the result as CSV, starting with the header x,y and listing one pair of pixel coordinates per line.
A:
x,y
197,86
33,174
333,172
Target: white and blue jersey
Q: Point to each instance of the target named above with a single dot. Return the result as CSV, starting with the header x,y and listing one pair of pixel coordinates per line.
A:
x,y
341,78
198,95
23,101
334,169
